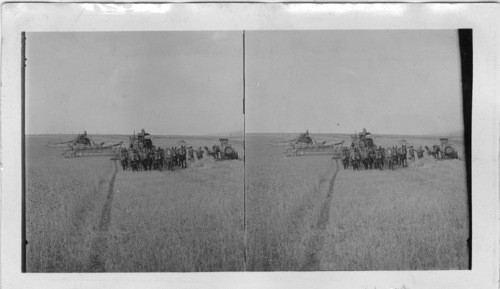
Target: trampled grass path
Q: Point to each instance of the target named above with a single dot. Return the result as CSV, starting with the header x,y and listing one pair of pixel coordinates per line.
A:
x,y
97,259
316,242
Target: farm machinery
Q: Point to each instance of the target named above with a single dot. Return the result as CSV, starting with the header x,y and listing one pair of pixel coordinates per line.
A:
x,y
80,140
448,151
227,151
362,140
304,145
83,146
141,141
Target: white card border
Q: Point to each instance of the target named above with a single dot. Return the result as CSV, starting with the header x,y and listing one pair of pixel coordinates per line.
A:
x,y
484,19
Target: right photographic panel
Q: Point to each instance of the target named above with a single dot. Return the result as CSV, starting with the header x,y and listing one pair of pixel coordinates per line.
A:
x,y
356,150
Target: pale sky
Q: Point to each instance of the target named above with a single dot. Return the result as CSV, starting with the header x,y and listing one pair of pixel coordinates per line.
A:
x,y
191,83
406,82
166,82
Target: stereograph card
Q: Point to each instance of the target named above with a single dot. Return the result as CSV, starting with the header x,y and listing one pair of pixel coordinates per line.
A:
x,y
268,144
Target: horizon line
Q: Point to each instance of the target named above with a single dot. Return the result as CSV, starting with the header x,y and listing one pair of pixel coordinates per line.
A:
x,y
456,133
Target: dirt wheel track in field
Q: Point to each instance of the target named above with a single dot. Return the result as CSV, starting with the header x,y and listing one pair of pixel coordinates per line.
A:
x,y
315,245
97,259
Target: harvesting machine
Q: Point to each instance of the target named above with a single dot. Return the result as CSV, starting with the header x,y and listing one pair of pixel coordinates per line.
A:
x,y
362,140
141,141
83,146
304,145
138,142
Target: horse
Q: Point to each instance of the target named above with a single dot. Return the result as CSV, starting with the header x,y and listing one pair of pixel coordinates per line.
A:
x,y
355,159
364,158
214,152
390,157
168,159
371,158
142,157
378,160
158,160
175,156
145,159
382,152
182,157
151,158
345,159
134,160
404,161
399,152
124,159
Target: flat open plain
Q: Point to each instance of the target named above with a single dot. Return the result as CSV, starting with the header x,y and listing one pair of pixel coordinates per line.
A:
x,y
86,214
304,213
308,213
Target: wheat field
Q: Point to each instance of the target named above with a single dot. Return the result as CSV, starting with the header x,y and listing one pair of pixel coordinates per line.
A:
x,y
277,214
308,213
63,202
189,220
87,215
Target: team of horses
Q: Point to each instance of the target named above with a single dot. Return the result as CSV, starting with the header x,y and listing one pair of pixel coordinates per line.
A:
x,y
379,158
157,158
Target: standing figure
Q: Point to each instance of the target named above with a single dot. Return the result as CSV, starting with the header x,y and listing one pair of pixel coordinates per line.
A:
x,y
190,153
411,152
420,152
215,152
345,159
199,153
182,157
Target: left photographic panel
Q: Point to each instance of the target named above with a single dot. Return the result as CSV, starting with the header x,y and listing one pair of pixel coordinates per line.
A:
x,y
134,151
